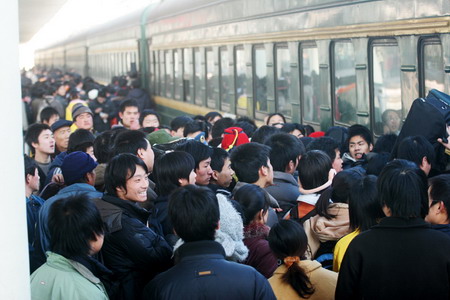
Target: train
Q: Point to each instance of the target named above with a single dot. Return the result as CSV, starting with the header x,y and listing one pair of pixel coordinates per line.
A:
x,y
318,62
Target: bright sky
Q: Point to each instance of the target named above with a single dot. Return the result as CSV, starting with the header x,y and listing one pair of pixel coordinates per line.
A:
x,y
74,17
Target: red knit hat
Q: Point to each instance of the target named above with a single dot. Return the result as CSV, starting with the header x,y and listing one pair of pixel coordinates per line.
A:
x,y
317,134
234,136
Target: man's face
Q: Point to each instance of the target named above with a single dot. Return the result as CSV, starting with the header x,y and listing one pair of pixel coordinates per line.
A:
x,y
46,142
337,162
52,120
203,172
84,121
358,146
62,91
269,173
61,136
225,176
136,187
130,117
178,133
148,156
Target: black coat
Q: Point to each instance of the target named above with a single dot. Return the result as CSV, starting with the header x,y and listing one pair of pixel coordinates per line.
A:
x,y
131,250
397,259
203,273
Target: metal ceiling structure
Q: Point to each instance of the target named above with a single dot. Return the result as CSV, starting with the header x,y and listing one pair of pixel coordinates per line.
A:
x,y
33,14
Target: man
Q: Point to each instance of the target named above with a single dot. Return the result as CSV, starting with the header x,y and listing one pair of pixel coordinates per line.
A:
x,y
251,162
61,133
418,150
331,148
82,117
202,157
222,173
359,144
387,261
49,115
79,176
202,270
133,251
129,114
40,139
285,152
134,142
177,125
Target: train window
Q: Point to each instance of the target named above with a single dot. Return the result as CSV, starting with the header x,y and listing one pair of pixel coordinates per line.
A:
x,y
211,76
386,87
153,72
225,79
433,65
345,105
260,78
199,75
187,74
282,80
162,73
168,73
177,73
310,85
241,81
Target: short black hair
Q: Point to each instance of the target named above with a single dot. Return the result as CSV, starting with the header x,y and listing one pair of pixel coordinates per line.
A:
x,y
252,199
179,122
247,125
198,150
218,158
326,144
440,190
33,132
284,147
128,103
194,213
103,146
219,127
169,168
30,166
195,126
363,206
247,159
147,112
313,169
415,148
385,143
130,141
290,127
80,140
263,133
402,187
73,222
121,168
211,115
47,113
360,130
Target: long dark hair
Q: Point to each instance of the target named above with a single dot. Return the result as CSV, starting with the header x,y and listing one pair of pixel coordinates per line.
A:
x,y
288,238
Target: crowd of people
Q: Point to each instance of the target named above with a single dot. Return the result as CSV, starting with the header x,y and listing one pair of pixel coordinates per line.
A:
x,y
121,206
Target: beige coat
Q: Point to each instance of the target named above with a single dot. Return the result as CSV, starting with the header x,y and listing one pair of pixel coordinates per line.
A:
x,y
323,281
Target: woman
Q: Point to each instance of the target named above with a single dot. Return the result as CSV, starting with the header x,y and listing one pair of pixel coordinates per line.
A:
x,y
276,120
255,208
297,278
149,118
364,212
172,170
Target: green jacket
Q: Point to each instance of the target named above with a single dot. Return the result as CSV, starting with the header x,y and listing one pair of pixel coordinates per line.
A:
x,y
62,278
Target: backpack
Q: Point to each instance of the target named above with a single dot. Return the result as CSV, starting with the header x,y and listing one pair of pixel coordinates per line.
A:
x,y
301,212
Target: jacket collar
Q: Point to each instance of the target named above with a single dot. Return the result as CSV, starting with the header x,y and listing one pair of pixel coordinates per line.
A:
x,y
396,222
200,249
283,176
130,208
78,187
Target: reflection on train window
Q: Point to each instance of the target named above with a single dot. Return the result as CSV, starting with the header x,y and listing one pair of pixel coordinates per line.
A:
x,y
187,74
225,79
199,75
310,83
387,87
260,78
211,76
241,81
162,73
177,74
344,83
283,80
168,74
153,72
433,66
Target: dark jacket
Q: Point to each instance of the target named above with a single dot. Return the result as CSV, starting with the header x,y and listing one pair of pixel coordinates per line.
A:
x,y
396,259
142,98
203,273
444,228
106,107
260,256
55,167
285,190
160,220
131,250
